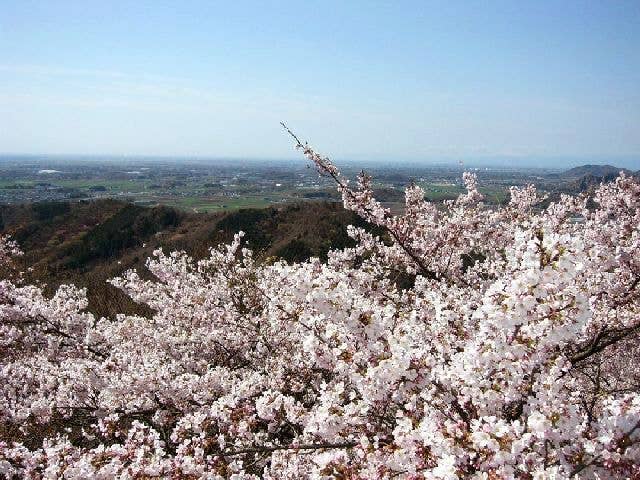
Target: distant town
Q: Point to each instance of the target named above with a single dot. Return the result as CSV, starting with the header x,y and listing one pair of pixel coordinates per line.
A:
x,y
200,186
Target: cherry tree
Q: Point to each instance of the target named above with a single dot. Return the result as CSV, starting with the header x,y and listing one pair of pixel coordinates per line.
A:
x,y
459,341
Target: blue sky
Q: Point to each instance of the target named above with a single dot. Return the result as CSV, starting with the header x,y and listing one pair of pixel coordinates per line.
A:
x,y
364,80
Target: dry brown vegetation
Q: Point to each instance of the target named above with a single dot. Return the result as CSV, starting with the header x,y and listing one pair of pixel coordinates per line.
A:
x,y
88,242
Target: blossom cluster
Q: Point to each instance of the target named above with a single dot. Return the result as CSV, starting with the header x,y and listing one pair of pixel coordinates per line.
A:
x,y
459,341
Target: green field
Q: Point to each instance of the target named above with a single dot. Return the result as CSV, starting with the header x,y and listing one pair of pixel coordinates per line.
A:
x,y
111,185
439,192
194,198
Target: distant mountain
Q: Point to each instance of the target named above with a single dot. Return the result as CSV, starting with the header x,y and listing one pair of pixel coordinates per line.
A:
x,y
588,177
606,172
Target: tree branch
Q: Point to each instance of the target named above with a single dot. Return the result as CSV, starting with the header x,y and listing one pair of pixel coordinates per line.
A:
x,y
307,446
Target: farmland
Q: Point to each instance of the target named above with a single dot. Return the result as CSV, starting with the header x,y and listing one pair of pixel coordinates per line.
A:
x,y
224,185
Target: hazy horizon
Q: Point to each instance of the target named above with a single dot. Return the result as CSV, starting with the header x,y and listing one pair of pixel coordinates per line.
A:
x,y
531,83
549,163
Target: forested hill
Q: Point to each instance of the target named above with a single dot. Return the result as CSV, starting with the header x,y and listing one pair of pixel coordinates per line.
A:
x,y
88,242
587,177
603,171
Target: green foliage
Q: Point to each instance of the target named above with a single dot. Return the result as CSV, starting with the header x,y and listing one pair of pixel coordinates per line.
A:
x,y
126,229
294,251
252,222
50,210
